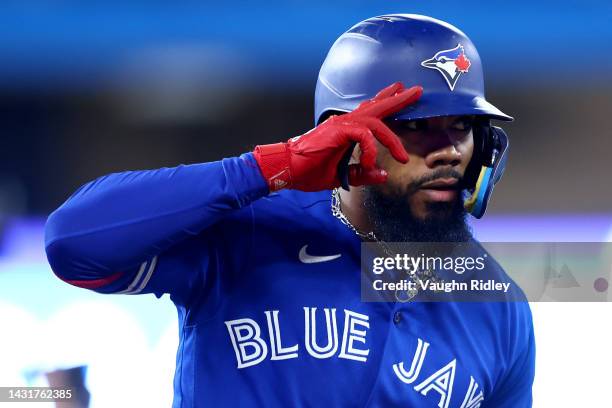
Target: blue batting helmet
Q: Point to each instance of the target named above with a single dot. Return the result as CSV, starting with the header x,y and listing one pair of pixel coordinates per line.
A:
x,y
413,49
418,50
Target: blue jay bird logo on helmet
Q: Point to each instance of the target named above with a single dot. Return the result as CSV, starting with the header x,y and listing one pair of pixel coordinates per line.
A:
x,y
450,63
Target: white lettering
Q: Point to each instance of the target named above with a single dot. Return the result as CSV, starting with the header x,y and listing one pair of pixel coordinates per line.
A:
x,y
442,382
250,338
472,400
310,330
352,334
409,377
278,351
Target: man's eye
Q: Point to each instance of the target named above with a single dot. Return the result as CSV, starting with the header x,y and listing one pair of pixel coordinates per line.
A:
x,y
414,125
463,125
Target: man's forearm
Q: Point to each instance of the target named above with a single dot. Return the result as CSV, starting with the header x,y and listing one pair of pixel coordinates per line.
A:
x,y
121,219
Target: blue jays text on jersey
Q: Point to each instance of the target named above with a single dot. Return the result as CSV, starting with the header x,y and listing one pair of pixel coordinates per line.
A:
x,y
267,288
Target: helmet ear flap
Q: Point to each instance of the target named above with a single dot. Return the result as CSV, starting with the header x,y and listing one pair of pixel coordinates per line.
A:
x,y
480,154
486,167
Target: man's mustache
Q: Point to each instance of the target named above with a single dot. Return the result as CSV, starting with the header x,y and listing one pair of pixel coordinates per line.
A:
x,y
435,175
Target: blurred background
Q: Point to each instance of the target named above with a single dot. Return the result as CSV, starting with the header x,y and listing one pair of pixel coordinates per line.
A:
x,y
88,88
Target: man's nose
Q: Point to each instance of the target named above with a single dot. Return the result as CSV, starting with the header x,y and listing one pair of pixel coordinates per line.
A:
x,y
443,153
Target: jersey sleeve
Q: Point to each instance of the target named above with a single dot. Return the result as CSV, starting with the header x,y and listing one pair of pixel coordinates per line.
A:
x,y
515,389
150,231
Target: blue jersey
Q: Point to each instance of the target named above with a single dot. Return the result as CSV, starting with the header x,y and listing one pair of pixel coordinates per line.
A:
x,y
267,288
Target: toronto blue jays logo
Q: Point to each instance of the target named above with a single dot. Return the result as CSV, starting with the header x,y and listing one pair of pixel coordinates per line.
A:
x,y
450,63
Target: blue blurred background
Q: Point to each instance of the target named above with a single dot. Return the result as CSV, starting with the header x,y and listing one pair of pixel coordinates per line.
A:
x,y
97,86
87,88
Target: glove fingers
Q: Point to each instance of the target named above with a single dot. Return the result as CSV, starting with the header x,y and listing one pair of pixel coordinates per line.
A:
x,y
393,104
389,91
367,142
386,136
359,176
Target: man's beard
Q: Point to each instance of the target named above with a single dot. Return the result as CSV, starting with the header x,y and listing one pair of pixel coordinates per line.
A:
x,y
393,220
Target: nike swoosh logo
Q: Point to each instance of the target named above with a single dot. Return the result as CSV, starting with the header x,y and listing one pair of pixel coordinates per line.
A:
x,y
307,258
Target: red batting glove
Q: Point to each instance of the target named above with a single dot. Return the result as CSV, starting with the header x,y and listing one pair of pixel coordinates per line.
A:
x,y
309,162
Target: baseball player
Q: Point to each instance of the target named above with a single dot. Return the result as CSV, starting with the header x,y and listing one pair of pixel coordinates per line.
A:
x,y
261,253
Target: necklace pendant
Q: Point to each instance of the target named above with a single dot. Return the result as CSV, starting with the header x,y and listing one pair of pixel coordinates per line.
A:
x,y
407,295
